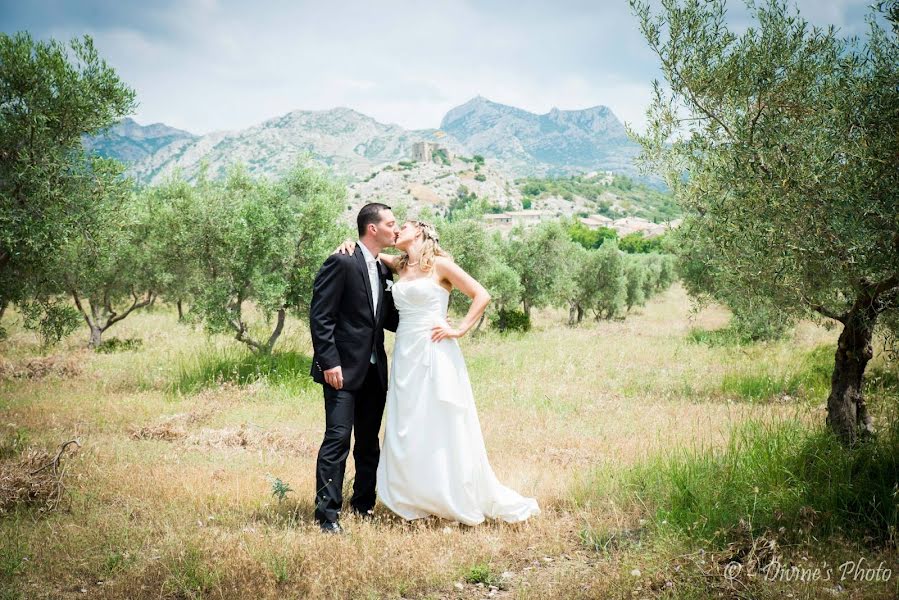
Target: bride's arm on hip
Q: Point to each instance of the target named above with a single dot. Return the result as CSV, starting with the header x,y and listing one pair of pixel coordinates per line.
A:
x,y
447,270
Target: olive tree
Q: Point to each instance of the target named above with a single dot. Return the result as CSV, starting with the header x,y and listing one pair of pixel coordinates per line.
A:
x,y
607,280
110,270
50,96
635,276
779,144
260,243
536,254
481,256
172,210
570,288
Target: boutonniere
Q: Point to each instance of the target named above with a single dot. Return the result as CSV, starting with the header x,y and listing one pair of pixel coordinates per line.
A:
x,y
389,284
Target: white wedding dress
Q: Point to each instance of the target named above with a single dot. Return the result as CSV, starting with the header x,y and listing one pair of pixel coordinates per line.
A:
x,y
433,460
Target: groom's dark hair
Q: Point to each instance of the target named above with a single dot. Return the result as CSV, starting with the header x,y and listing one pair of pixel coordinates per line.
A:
x,y
369,214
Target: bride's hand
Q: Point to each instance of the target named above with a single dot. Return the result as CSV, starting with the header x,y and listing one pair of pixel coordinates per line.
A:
x,y
347,247
444,332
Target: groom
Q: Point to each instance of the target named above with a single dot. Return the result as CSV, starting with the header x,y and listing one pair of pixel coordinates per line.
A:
x,y
350,309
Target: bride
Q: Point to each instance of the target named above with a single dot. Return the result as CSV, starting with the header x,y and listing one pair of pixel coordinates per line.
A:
x,y
433,461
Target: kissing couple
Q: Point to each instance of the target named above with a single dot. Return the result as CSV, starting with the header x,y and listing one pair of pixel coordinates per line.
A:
x,y
434,461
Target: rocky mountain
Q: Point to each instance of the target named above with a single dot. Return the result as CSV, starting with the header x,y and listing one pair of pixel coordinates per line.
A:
x,y
353,144
560,141
412,186
131,142
347,141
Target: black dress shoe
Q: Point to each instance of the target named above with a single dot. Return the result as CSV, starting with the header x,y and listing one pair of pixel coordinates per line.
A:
x,y
365,515
331,527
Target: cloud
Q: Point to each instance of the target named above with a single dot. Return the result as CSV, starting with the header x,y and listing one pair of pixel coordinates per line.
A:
x,y
204,65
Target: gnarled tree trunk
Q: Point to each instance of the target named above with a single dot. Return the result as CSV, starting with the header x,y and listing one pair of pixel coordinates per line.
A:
x,y
100,315
572,313
847,414
241,331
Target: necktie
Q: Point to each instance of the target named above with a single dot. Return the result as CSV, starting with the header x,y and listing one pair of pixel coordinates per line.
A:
x,y
375,281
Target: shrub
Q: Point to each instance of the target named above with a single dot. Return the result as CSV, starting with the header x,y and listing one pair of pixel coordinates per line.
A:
x,y
119,345
510,320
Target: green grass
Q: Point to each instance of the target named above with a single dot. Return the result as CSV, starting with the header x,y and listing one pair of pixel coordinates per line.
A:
x,y
807,377
481,573
783,477
723,337
12,556
115,561
13,561
13,440
190,575
235,365
279,566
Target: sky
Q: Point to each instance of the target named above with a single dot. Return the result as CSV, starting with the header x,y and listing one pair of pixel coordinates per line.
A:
x,y
208,65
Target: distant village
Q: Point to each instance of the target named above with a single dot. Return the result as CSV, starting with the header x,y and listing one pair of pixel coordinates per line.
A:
x,y
431,186
506,221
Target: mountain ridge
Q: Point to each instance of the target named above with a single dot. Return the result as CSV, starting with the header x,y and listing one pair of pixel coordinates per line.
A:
x,y
353,144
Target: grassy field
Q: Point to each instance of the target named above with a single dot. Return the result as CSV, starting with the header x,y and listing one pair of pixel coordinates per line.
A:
x,y
171,496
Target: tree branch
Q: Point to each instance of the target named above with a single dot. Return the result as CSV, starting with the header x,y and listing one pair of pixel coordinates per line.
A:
x,y
81,309
277,332
884,286
695,100
830,315
240,327
755,120
134,306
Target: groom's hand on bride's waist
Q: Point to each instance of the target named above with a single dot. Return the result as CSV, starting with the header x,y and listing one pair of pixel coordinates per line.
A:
x,y
334,377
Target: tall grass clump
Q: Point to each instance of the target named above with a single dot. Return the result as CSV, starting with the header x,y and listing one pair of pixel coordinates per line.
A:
x,y
783,478
241,367
809,377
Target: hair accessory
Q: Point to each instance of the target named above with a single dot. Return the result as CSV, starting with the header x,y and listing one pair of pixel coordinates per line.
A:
x,y
429,230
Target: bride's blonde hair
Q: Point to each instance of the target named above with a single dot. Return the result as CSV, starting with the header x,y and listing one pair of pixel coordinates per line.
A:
x,y
430,247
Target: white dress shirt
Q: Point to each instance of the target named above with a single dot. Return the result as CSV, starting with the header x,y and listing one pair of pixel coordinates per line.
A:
x,y
371,262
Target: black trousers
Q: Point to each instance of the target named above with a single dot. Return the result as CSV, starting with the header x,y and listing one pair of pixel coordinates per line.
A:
x,y
345,410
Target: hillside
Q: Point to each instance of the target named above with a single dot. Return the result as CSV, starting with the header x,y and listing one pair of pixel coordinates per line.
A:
x,y
352,144
435,184
131,143
558,142
607,194
346,141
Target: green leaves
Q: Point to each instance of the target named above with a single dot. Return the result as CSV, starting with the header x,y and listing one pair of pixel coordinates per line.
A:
x,y
50,193
536,254
246,243
787,135
783,155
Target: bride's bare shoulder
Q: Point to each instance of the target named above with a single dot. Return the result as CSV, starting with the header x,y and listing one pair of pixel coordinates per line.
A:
x,y
445,268
441,262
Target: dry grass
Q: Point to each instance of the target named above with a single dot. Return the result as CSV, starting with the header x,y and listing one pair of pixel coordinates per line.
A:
x,y
20,486
170,495
42,366
33,480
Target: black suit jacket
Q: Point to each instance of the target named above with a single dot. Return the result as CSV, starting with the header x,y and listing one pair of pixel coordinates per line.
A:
x,y
344,328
